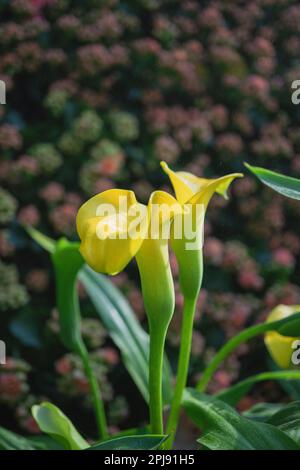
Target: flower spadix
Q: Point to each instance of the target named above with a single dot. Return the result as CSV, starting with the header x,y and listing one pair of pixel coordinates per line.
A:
x,y
112,226
281,347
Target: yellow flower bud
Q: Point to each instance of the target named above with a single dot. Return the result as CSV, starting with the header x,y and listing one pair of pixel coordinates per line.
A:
x,y
279,346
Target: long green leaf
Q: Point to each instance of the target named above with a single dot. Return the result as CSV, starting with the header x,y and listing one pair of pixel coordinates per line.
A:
x,y
12,441
285,185
224,429
45,242
291,387
51,420
235,393
138,442
288,420
43,442
262,411
67,262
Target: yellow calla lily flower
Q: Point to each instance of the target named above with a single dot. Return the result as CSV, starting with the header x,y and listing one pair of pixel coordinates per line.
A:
x,y
193,194
111,235
110,231
279,346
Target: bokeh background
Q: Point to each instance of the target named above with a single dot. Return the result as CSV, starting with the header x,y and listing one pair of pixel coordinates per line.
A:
x,y
98,92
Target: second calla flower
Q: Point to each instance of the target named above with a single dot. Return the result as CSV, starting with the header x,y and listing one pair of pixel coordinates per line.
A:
x,y
193,194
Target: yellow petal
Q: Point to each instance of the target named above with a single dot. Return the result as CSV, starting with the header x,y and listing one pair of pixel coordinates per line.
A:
x,y
92,207
186,185
110,232
183,185
217,185
193,194
162,208
280,347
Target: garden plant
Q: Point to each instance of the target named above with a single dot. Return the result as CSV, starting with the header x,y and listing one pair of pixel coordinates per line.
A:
x,y
149,238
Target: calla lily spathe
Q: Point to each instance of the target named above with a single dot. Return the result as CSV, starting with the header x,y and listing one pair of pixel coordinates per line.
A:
x,y
192,189
106,242
279,346
192,192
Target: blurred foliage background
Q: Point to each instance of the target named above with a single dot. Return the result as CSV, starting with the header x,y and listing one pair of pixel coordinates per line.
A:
x,y
98,92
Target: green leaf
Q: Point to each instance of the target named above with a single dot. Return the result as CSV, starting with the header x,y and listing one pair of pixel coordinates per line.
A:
x,y
224,429
45,242
134,432
12,441
292,327
51,420
67,262
288,420
25,327
126,332
262,411
146,442
291,387
285,417
235,393
43,442
285,185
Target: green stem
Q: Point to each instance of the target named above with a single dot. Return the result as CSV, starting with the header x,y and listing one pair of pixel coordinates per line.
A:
x,y
95,392
157,341
183,366
227,349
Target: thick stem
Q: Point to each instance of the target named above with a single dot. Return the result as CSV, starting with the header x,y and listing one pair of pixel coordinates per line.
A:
x,y
157,341
95,392
183,367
